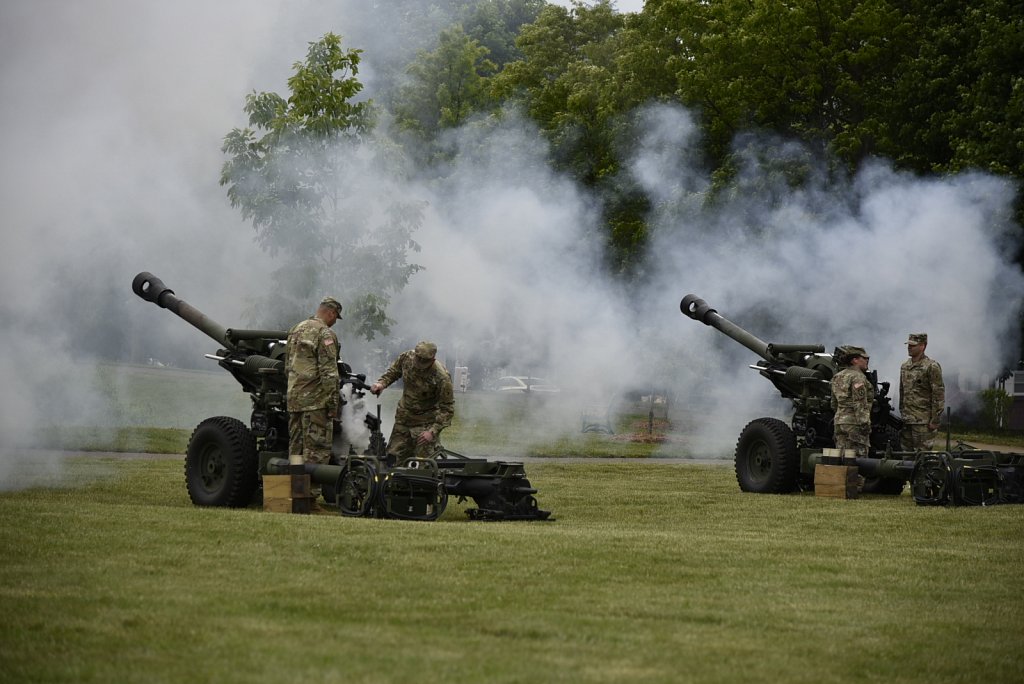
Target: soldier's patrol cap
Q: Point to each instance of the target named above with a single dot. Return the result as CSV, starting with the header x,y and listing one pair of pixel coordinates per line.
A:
x,y
332,303
917,338
426,350
850,352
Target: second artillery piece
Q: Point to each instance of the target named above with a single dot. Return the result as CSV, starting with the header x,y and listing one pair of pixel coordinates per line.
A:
x,y
226,459
773,457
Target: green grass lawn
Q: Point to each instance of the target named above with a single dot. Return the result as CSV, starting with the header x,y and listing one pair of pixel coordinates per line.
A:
x,y
653,573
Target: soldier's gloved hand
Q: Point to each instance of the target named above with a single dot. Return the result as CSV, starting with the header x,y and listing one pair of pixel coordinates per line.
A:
x,y
332,412
377,388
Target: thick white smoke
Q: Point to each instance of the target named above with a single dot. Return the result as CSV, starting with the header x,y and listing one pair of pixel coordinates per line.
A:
x,y
112,127
508,250
863,262
354,432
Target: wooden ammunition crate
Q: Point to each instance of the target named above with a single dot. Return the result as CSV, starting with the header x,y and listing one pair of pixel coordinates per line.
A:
x,y
286,494
840,482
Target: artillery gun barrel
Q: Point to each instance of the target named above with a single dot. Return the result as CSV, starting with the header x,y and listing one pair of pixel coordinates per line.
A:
x,y
152,289
699,310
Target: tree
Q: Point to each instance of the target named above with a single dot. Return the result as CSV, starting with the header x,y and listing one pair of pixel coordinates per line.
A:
x,y
315,185
932,84
496,23
566,82
447,86
959,95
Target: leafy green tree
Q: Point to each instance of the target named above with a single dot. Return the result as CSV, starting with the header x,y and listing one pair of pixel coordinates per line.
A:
x,y
494,24
563,78
566,82
401,29
932,84
299,174
801,68
958,98
447,85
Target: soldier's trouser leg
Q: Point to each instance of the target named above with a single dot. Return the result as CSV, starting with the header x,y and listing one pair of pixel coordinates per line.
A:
x,y
917,437
310,433
400,445
403,444
856,441
295,432
853,438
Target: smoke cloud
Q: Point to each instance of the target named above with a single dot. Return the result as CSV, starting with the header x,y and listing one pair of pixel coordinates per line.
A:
x,y
864,261
508,251
113,124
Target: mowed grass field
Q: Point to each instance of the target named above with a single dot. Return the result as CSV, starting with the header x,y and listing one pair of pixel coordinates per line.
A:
x,y
650,572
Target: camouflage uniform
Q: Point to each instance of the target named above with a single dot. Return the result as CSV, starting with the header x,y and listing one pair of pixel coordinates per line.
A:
x,y
427,403
922,399
313,386
852,396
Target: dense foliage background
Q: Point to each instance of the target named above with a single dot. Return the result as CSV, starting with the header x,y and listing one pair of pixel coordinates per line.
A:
x,y
933,87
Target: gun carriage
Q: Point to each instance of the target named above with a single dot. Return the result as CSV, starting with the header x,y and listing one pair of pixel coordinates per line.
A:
x,y
226,459
774,457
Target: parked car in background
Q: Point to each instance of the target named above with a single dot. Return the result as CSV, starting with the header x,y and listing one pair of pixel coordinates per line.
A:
x,y
523,384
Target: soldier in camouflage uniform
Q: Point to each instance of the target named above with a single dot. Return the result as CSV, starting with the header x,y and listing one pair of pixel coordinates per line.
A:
x,y
852,396
922,396
313,383
427,404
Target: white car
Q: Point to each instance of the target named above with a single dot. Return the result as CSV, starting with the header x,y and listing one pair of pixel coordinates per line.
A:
x,y
522,383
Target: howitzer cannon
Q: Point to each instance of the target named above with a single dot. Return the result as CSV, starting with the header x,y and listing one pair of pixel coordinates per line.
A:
x,y
225,459
769,453
773,457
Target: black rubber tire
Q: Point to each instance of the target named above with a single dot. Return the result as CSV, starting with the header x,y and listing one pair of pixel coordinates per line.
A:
x,y
883,485
767,461
221,463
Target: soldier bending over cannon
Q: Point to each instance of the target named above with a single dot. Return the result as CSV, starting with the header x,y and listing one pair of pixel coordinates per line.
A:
x,y
427,404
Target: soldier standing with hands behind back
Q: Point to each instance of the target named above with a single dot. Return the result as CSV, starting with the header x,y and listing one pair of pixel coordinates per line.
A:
x,y
427,404
922,396
852,396
313,383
